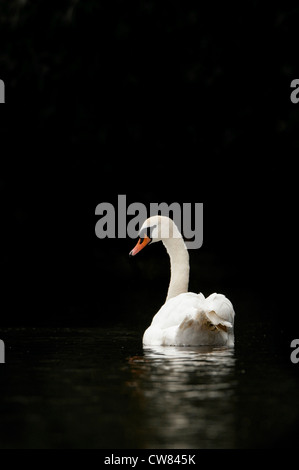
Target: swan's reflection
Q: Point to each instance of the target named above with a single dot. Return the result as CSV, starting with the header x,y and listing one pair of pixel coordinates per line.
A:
x,y
186,395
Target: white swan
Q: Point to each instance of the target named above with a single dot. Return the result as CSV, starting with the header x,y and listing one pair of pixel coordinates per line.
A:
x,y
186,319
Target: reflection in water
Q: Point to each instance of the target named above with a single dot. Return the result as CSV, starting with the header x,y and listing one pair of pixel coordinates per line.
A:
x,y
186,396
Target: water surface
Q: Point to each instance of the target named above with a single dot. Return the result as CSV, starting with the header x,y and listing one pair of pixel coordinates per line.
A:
x,y
98,388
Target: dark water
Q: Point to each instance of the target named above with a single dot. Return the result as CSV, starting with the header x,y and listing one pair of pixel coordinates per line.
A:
x,y
98,388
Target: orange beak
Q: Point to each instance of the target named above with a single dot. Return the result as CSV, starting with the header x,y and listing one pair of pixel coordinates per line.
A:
x,y
142,242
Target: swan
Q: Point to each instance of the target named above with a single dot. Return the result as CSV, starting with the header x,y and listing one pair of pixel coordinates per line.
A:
x,y
186,318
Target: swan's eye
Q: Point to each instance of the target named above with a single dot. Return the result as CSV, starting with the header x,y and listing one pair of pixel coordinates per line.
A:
x,y
147,231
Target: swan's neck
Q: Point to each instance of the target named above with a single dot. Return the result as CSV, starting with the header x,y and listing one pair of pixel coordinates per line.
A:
x,y
179,266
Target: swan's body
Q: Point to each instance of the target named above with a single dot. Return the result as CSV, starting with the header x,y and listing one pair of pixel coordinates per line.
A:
x,y
191,320
186,319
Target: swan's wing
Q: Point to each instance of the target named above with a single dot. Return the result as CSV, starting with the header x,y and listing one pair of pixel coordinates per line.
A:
x,y
220,305
175,310
212,319
203,328
186,306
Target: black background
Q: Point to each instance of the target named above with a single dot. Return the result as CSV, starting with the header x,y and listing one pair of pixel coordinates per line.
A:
x,y
163,102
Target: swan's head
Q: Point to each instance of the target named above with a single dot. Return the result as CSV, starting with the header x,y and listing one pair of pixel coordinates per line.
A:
x,y
155,229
